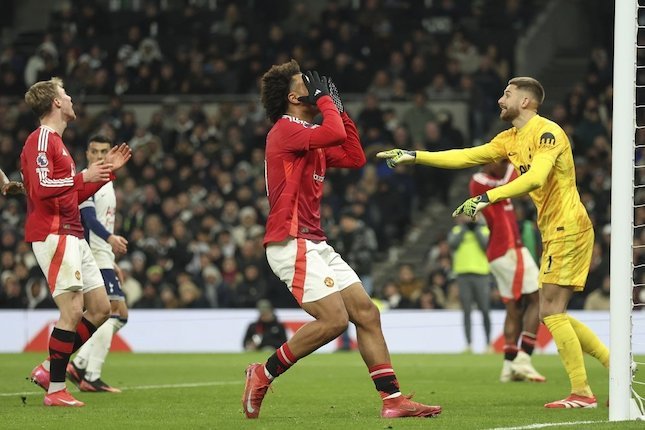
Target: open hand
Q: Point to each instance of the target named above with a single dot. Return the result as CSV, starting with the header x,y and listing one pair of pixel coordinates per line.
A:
x,y
394,157
97,172
118,156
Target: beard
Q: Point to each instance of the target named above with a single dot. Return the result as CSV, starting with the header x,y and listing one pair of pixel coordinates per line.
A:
x,y
509,114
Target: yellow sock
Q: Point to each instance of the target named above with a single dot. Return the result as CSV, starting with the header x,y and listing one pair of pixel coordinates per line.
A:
x,y
590,342
570,352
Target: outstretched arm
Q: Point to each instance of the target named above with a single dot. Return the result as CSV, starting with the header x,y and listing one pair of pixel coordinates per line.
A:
x,y
451,159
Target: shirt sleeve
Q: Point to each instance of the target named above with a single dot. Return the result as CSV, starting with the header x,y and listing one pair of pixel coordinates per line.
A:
x,y
468,157
43,164
90,222
350,153
90,188
302,136
550,145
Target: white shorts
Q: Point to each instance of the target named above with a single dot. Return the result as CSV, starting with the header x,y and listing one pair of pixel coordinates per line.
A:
x,y
516,273
68,264
311,270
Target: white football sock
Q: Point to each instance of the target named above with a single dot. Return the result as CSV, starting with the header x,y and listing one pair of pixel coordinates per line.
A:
x,y
83,354
102,341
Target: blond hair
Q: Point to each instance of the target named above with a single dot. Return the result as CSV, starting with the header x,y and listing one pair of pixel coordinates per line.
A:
x,y
531,85
41,95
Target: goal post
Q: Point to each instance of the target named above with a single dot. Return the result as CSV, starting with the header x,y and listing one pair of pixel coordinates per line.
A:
x,y
622,210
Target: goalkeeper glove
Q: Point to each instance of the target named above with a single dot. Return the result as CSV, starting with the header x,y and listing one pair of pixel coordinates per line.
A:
x,y
472,206
335,96
394,157
316,86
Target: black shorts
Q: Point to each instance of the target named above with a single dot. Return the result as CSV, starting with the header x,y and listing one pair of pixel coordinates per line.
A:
x,y
112,285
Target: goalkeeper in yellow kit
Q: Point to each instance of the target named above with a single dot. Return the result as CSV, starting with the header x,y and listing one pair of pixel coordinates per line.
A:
x,y
540,151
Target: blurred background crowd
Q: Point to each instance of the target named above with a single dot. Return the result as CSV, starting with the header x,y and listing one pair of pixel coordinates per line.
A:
x,y
192,200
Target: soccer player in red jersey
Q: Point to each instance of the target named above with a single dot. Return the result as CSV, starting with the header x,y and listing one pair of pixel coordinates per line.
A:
x,y
515,272
54,228
298,153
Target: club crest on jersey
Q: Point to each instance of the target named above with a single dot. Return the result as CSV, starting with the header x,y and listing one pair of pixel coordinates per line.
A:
x,y
329,282
547,139
41,159
78,275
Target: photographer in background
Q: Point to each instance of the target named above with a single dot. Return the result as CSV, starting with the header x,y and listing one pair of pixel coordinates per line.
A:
x,y
468,240
267,333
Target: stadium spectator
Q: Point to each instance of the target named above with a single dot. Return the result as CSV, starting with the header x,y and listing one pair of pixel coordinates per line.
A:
x,y
267,333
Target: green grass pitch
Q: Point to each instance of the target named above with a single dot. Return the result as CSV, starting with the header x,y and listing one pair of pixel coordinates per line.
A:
x,y
323,391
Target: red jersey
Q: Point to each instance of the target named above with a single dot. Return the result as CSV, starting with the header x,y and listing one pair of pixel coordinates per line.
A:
x,y
53,187
500,216
296,158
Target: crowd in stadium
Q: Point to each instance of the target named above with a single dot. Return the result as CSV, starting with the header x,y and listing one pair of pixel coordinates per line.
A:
x,y
192,203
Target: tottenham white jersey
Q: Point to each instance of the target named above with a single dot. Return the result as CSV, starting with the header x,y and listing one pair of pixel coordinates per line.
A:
x,y
104,202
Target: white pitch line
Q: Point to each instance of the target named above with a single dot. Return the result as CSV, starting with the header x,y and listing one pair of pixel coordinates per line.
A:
x,y
140,387
544,425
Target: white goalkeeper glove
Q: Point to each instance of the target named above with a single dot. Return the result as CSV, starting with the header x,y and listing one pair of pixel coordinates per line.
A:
x,y
394,157
472,206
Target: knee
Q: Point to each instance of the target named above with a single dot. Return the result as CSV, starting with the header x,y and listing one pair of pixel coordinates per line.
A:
x,y
72,315
100,311
367,315
336,326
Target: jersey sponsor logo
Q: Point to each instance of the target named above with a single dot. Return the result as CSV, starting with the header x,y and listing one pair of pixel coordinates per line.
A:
x,y
41,160
547,139
524,169
319,178
329,282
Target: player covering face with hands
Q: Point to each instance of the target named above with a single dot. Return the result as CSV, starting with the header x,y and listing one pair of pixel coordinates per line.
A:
x,y
298,154
541,153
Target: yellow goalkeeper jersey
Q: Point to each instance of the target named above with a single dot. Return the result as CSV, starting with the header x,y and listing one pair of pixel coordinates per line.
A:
x,y
541,153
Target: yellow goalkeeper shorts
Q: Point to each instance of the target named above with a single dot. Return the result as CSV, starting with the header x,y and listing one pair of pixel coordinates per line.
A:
x,y
566,260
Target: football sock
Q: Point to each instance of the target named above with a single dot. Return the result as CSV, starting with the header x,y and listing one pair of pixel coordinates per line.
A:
x,y
510,352
61,344
528,342
101,342
84,331
570,352
589,342
385,380
281,360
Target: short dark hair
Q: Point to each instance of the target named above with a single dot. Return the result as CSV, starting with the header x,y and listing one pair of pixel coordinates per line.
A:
x,y
531,85
99,138
276,84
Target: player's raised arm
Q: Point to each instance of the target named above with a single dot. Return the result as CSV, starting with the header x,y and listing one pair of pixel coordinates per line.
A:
x,y
332,131
348,154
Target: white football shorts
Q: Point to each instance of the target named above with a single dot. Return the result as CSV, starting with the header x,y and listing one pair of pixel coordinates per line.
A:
x,y
311,270
515,273
68,264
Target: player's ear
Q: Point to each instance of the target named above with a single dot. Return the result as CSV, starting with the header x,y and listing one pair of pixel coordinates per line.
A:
x,y
292,97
